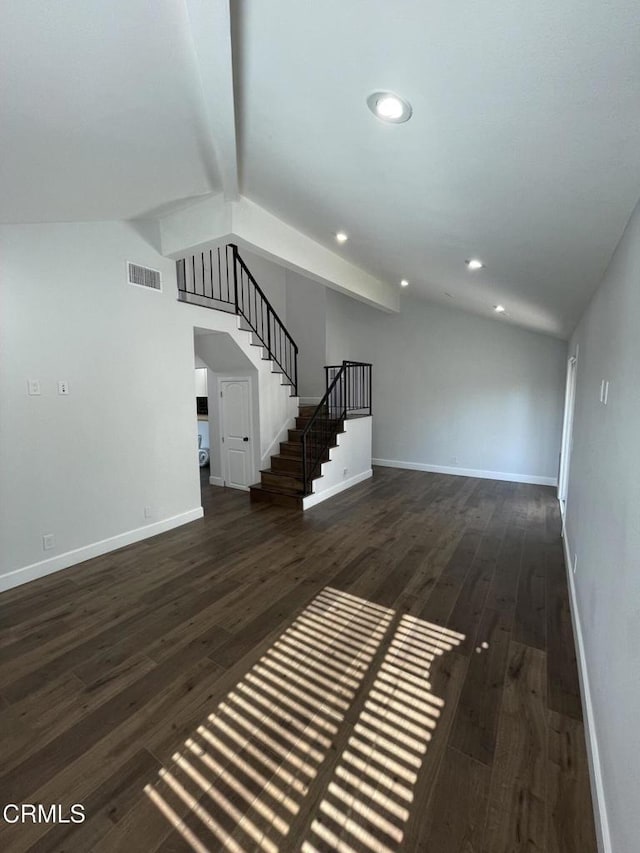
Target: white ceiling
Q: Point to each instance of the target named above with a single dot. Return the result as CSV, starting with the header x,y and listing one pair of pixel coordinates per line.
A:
x,y
523,149
100,111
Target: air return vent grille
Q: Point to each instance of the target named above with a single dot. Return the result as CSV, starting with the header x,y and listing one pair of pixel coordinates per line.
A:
x,y
144,277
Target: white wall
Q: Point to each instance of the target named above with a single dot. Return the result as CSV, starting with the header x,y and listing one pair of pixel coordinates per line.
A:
x,y
82,467
272,280
448,386
67,312
349,462
201,381
306,319
603,529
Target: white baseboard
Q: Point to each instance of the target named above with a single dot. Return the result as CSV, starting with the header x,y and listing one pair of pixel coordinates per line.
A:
x,y
468,472
312,500
593,753
96,549
216,481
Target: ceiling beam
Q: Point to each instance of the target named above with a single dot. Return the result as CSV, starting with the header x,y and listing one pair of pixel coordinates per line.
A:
x,y
210,25
212,219
266,235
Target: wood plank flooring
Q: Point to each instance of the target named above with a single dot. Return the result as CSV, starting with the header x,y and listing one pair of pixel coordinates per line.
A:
x,y
393,670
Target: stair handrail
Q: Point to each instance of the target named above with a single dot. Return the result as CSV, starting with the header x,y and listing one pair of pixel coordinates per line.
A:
x,y
280,346
208,280
348,391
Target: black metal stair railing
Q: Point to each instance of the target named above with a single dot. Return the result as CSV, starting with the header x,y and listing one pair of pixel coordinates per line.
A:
x,y
220,279
347,395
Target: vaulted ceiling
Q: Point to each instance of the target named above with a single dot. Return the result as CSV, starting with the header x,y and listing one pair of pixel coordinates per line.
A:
x,y
523,148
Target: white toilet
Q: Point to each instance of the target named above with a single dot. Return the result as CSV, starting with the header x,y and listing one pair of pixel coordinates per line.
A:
x,y
203,453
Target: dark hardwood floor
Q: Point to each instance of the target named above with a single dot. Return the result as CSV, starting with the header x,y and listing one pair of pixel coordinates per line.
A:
x,y
393,670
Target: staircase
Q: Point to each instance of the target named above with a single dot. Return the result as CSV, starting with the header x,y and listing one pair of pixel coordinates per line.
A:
x,y
284,482
220,279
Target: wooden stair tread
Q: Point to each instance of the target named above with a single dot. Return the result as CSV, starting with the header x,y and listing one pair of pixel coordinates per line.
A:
x,y
283,484
286,475
258,492
294,448
298,433
281,490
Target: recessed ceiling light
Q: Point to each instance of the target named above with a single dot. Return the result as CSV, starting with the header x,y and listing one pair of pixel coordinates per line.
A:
x,y
499,309
341,237
474,264
389,107
404,283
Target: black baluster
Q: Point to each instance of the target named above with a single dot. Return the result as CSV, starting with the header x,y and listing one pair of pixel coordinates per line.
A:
x,y
235,278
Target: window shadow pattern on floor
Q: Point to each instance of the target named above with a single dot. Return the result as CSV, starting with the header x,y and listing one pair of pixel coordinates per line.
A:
x,y
243,779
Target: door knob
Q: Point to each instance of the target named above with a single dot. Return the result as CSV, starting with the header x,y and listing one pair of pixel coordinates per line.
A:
x,y
246,438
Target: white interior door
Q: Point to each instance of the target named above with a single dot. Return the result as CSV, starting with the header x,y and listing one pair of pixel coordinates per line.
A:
x,y
235,402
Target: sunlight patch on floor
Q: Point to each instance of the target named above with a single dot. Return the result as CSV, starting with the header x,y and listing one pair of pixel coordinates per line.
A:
x,y
242,777
365,806
243,774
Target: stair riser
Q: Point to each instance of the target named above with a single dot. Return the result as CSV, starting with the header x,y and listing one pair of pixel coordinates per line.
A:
x,y
296,434
291,501
336,425
291,448
283,483
287,466
294,448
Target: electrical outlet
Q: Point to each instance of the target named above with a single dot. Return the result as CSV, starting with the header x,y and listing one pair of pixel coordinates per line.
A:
x,y
63,387
48,542
454,460
147,512
33,387
575,563
344,472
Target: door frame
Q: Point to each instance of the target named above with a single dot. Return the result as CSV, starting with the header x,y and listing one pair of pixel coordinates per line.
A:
x,y
566,445
252,432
